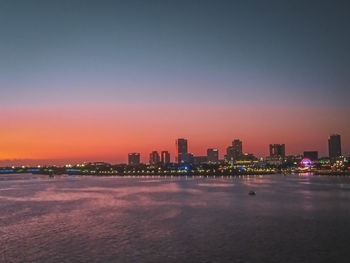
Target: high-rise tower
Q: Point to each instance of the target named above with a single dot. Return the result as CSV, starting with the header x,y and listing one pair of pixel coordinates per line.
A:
x,y
154,158
277,150
165,157
334,146
181,149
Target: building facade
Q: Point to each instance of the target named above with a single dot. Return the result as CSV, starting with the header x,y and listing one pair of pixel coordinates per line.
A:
x,y
237,149
334,146
198,160
187,158
154,158
212,155
165,157
234,152
181,149
133,158
277,150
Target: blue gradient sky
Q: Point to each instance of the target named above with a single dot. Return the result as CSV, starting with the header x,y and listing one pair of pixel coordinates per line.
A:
x,y
261,56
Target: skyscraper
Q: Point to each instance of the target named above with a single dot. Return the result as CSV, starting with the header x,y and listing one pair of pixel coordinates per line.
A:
x,y
229,153
134,159
334,146
154,158
277,150
237,149
165,157
212,155
181,149
234,152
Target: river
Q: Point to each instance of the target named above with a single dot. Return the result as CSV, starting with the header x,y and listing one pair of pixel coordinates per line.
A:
x,y
174,219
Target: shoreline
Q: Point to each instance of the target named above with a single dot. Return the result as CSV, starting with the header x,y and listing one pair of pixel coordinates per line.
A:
x,y
189,174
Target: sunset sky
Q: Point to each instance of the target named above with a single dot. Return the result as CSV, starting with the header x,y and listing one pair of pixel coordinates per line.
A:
x,y
94,80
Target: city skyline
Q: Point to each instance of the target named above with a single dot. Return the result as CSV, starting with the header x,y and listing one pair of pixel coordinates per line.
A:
x,y
97,80
156,155
174,131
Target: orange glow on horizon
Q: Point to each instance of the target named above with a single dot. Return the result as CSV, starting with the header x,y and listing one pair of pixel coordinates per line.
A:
x,y
109,132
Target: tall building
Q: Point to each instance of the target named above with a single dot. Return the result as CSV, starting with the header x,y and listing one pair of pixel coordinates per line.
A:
x,y
334,146
134,159
237,149
277,150
229,153
312,155
165,157
154,158
181,149
212,155
234,152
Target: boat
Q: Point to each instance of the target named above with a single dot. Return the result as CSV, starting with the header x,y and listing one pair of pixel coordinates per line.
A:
x,y
252,193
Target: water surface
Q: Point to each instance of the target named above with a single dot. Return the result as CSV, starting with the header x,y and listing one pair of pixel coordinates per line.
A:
x,y
180,219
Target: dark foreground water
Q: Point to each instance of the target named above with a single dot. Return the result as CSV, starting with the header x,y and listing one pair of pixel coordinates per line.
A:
x,y
111,219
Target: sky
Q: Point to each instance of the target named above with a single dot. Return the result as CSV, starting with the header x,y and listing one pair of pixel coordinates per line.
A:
x,y
95,80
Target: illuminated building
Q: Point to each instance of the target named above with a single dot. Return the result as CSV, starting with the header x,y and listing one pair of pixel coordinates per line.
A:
x,y
234,152
181,149
334,146
277,150
154,158
274,160
293,160
165,157
277,155
312,155
212,155
134,159
306,163
248,157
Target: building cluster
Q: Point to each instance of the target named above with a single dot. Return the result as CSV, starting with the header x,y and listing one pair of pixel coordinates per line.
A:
x,y
335,159
235,157
235,162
